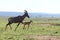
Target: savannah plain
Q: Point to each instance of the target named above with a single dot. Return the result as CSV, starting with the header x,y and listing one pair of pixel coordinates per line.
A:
x,y
40,29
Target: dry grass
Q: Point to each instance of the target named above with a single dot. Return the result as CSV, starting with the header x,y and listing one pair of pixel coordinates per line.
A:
x,y
42,37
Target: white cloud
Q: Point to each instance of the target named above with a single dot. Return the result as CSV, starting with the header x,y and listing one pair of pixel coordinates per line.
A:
x,y
48,6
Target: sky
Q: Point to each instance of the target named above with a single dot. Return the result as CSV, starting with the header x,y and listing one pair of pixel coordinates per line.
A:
x,y
46,6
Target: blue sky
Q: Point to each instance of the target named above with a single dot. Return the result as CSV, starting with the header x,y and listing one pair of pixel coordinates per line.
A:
x,y
46,6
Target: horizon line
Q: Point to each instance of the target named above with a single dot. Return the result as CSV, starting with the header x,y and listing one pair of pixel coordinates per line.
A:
x,y
30,12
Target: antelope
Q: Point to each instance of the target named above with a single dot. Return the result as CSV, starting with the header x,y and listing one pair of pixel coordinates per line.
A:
x,y
18,19
26,23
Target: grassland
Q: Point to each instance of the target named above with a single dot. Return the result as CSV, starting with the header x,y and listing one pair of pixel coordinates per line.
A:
x,y
39,27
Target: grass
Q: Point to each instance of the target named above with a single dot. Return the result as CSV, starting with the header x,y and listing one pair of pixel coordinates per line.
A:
x,y
35,29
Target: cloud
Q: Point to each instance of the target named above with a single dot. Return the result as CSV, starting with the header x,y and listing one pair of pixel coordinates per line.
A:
x,y
48,6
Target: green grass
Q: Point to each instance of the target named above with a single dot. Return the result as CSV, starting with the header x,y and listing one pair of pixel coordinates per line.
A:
x,y
35,29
